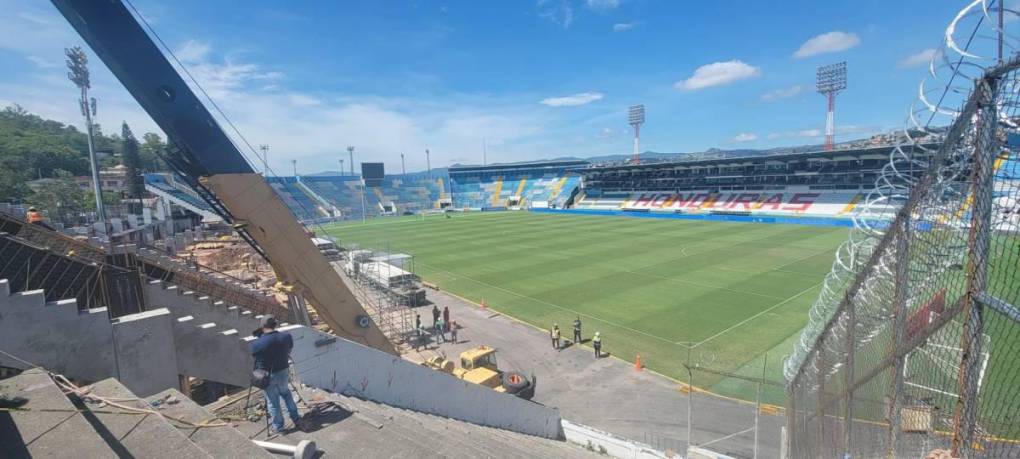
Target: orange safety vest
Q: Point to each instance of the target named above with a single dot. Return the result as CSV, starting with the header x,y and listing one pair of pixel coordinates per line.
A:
x,y
35,217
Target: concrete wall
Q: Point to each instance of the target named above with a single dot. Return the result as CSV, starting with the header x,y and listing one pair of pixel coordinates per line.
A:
x,y
136,348
609,444
146,358
207,353
159,294
339,365
55,335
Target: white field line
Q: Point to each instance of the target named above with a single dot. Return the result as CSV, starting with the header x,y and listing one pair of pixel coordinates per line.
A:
x,y
728,436
800,260
496,287
710,338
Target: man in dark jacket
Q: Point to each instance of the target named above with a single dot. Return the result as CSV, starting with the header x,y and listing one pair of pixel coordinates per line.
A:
x,y
272,353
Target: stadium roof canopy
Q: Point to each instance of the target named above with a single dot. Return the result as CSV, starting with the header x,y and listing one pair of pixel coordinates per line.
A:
x,y
527,165
851,154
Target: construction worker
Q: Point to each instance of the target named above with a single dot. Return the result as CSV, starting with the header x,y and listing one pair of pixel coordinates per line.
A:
x,y
440,331
596,341
35,217
453,332
435,315
417,324
577,330
271,350
555,335
446,317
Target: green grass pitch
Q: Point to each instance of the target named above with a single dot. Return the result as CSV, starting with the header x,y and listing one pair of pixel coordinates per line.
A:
x,y
731,291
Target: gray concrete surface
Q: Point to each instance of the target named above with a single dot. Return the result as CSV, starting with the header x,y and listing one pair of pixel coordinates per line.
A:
x,y
55,335
608,393
139,435
159,294
205,352
350,427
339,365
48,423
217,440
146,354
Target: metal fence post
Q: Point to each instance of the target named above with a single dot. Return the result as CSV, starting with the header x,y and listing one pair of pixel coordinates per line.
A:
x,y
848,375
977,267
899,314
757,401
690,399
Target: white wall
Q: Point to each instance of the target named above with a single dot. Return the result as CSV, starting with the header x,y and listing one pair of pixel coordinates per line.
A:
x,y
338,365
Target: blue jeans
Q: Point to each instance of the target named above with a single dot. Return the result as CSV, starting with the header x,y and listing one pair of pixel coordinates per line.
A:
x,y
279,388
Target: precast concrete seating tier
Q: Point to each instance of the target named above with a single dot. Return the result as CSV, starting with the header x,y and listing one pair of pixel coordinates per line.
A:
x,y
216,439
354,427
146,351
107,420
49,424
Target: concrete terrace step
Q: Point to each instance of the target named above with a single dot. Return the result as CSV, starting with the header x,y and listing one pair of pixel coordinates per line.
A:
x,y
33,432
436,435
457,438
219,441
139,435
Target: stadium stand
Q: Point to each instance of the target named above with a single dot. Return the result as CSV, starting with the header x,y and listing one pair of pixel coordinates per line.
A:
x,y
398,193
824,184
300,200
167,187
518,185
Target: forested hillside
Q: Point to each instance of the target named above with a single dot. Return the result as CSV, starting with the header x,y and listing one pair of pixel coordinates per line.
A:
x,y
32,147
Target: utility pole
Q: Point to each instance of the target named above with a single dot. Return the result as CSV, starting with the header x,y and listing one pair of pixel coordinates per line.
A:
x,y
293,162
78,73
350,150
341,166
265,159
428,164
403,170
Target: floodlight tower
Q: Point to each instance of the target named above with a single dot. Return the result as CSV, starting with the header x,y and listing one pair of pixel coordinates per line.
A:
x,y
350,150
636,117
831,80
265,159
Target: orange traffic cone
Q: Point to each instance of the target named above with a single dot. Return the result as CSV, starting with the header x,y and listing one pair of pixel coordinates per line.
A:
x,y
637,363
484,304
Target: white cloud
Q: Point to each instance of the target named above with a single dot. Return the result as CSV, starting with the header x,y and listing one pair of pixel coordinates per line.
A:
x,y
558,11
602,5
773,136
572,100
745,137
44,63
830,42
606,134
193,51
919,58
717,74
782,93
312,127
624,26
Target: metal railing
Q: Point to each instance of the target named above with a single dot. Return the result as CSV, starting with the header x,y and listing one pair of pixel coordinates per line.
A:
x,y
914,343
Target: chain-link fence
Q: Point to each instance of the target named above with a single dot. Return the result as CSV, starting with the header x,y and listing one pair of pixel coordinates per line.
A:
x,y
914,343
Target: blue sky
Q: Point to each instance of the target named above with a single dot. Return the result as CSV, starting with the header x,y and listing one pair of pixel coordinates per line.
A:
x,y
530,79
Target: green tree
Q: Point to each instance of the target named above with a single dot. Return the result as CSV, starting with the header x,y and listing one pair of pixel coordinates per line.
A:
x,y
61,197
150,151
32,147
